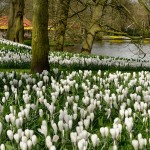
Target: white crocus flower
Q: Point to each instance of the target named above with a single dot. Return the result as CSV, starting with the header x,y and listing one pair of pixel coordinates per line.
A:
x,y
48,141
18,122
41,113
82,144
135,144
60,125
27,111
70,123
7,95
79,129
31,133
29,144
139,136
2,147
86,123
23,146
126,113
24,139
34,140
141,143
55,70
11,109
16,137
10,134
129,111
114,133
20,132
129,124
73,136
28,87
51,108
77,98
145,141
45,79
27,133
92,116
55,138
6,88
75,107
84,135
12,119
115,147
54,126
40,84
119,126
3,99
20,83
106,131
52,147
102,131
66,127
128,102
43,89
95,140
33,106
43,128
75,116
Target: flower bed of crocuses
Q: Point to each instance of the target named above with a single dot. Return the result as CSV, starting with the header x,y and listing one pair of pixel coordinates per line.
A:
x,y
8,42
21,58
75,110
71,108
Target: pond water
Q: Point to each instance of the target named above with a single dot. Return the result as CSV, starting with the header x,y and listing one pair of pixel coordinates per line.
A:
x,y
116,49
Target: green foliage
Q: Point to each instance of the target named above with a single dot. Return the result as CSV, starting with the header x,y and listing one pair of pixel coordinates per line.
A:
x,y
28,42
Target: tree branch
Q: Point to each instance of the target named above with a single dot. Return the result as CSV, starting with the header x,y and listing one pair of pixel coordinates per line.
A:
x,y
76,13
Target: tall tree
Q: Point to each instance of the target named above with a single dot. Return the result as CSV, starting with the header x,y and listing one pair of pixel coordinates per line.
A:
x,y
40,41
62,15
94,27
15,21
98,22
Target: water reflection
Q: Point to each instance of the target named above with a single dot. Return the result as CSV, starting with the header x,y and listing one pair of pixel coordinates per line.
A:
x,y
125,49
117,48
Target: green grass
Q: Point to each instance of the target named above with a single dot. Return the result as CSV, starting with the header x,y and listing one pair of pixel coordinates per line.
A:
x,y
52,43
28,42
7,46
16,70
66,43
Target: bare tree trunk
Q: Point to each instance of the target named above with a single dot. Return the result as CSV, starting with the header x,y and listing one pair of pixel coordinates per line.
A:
x,y
62,24
15,21
40,41
93,29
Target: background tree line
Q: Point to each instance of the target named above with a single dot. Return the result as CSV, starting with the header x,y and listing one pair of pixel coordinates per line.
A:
x,y
94,17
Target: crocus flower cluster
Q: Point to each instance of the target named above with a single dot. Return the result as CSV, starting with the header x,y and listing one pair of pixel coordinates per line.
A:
x,y
81,109
20,56
8,42
74,110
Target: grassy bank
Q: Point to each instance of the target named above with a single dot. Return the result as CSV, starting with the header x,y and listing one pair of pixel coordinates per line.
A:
x,y
52,43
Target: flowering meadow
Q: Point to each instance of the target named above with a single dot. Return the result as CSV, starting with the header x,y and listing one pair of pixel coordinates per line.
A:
x,y
80,109
20,57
